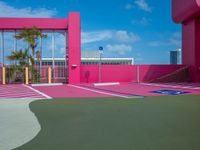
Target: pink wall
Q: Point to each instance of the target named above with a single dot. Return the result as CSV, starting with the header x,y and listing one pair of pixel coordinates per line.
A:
x,y
150,72
74,47
110,73
41,23
125,73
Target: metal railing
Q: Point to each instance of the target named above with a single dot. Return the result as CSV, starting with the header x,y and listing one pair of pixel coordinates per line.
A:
x,y
31,75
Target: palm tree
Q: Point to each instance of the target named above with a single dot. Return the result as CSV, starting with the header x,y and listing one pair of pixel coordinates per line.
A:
x,y
31,36
20,56
16,72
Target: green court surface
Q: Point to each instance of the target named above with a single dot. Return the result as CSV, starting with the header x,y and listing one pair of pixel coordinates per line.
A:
x,y
152,123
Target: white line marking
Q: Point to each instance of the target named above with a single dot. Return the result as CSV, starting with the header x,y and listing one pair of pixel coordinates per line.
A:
x,y
21,98
47,84
171,86
106,84
48,97
17,92
104,93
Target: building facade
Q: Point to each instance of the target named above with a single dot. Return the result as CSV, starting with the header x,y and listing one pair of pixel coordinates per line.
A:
x,y
62,62
175,57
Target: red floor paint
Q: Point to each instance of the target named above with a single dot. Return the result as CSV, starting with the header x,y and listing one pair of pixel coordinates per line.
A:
x,y
124,89
131,89
18,91
65,91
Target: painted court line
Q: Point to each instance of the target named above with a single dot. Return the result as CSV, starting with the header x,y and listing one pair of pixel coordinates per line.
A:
x,y
171,86
48,97
106,84
47,84
105,93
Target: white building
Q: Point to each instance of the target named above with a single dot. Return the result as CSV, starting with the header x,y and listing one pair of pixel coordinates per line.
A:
x,y
88,61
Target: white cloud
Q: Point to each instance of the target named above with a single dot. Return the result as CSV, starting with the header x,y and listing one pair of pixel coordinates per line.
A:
x,y
174,39
129,6
142,22
121,36
29,12
120,49
158,43
95,36
175,42
125,37
142,4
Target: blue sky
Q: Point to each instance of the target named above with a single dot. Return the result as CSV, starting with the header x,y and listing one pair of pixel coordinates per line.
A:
x,y
142,29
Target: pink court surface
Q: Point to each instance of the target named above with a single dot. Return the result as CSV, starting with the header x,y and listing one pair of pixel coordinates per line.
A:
x,y
124,90
21,91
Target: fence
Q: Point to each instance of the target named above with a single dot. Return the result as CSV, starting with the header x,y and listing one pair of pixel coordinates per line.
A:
x,y
14,74
109,73
58,74
36,74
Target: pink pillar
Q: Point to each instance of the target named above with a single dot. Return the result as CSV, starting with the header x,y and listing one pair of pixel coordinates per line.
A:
x,y
187,12
74,47
191,47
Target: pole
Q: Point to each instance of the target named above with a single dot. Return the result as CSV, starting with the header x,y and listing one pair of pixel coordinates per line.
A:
x,y
3,47
138,74
3,75
53,53
15,45
100,57
26,71
41,56
49,75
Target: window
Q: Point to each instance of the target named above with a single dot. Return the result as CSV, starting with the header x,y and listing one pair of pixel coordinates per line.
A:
x,y
47,45
8,46
60,44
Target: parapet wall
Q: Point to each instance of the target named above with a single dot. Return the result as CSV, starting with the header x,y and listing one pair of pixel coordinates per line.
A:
x,y
125,73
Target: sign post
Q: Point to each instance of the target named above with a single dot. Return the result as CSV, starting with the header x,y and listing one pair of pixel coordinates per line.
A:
x,y
100,57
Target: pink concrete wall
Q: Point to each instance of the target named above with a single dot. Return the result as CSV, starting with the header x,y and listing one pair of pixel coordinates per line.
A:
x,y
41,23
74,47
150,72
125,73
110,73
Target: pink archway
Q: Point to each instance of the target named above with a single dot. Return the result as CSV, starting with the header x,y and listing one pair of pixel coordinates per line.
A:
x,y
70,24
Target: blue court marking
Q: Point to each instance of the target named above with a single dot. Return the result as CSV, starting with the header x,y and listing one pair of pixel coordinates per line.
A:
x,y
170,92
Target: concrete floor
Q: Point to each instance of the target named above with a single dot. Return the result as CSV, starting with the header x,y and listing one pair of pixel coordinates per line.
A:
x,y
18,125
